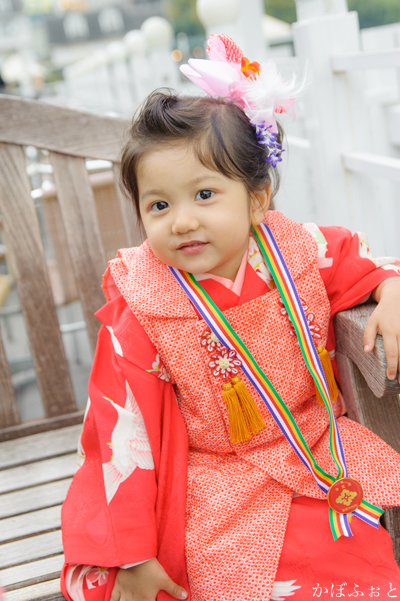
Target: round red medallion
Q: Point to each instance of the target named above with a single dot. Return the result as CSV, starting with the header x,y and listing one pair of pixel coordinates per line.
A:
x,y
345,495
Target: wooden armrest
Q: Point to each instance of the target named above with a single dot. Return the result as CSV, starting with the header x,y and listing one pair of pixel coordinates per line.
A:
x,y
349,330
362,380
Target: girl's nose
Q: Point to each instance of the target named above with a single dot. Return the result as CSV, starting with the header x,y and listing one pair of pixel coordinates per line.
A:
x,y
185,221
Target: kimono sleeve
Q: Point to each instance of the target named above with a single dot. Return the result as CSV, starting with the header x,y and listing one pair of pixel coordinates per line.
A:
x,y
349,271
109,515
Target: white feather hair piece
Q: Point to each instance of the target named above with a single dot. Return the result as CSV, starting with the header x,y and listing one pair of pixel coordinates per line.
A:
x,y
268,93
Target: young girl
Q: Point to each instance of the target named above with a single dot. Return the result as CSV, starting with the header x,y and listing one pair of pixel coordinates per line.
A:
x,y
195,481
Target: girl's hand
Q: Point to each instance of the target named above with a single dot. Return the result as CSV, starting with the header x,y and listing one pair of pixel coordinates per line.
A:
x,y
385,320
143,583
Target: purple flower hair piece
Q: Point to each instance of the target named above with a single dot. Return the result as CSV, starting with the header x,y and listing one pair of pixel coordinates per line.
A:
x,y
269,139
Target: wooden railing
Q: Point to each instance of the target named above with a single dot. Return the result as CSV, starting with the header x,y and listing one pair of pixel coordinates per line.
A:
x,y
70,136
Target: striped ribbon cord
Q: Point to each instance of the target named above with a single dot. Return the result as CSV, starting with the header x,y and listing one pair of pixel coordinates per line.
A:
x,y
219,325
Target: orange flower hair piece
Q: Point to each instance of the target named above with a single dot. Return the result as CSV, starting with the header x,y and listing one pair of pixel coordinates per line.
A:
x,y
250,69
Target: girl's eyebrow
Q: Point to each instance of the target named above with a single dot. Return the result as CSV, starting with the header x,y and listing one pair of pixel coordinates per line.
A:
x,y
150,193
198,180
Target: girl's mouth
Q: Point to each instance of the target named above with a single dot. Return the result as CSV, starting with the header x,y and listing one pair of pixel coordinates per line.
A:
x,y
193,247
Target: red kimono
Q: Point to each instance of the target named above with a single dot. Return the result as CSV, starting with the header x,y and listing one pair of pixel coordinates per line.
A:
x,y
134,449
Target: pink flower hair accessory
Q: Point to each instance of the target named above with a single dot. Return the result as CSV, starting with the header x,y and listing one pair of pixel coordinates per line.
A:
x,y
258,89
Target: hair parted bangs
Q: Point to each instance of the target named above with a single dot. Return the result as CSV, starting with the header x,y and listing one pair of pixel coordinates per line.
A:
x,y
217,129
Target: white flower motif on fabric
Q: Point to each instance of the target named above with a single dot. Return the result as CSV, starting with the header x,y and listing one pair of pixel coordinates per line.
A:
x,y
323,260
81,450
116,344
129,443
283,589
365,253
158,367
99,575
256,261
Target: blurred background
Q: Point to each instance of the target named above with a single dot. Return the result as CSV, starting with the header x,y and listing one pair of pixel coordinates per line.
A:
x,y
101,54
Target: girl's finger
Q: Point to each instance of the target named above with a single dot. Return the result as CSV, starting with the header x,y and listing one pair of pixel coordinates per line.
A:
x,y
392,354
370,332
398,354
173,589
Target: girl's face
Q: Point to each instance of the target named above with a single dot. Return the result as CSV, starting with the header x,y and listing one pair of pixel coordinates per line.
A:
x,y
196,220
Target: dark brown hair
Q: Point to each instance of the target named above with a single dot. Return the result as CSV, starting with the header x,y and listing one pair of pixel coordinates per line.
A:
x,y
217,129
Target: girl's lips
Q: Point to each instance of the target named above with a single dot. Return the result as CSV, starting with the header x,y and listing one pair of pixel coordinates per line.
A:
x,y
193,248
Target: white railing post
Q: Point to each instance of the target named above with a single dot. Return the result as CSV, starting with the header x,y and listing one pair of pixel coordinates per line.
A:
x,y
139,70
159,35
316,38
336,117
239,19
119,76
309,9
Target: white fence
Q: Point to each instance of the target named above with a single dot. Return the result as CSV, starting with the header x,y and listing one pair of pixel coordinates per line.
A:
x,y
118,78
342,166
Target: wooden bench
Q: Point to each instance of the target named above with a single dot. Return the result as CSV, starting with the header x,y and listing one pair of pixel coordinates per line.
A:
x,y
38,458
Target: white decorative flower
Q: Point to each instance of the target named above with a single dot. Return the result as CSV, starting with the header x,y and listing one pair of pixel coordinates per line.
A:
x,y
225,363
210,341
314,328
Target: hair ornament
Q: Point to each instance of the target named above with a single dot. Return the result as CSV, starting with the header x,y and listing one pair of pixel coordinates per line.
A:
x,y
258,89
269,139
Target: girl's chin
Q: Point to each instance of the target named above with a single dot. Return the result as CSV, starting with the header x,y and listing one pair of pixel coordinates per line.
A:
x,y
197,267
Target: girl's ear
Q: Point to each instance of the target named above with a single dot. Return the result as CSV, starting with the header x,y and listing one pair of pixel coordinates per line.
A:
x,y
259,205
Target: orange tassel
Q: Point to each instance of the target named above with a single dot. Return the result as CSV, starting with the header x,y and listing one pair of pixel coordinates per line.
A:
x,y
330,376
249,408
237,423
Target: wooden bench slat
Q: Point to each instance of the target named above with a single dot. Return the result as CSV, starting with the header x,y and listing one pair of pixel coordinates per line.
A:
x,y
44,591
33,499
74,132
382,416
30,271
42,425
29,573
39,446
30,549
56,232
9,415
27,524
41,472
78,210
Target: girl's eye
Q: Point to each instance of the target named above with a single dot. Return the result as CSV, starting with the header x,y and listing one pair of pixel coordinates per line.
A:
x,y
159,206
204,195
